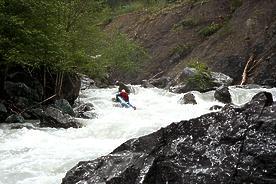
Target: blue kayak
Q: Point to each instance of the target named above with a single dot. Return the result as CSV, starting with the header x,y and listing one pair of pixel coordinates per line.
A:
x,y
124,103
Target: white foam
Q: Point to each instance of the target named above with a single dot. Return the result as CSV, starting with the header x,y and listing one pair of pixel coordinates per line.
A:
x,y
43,156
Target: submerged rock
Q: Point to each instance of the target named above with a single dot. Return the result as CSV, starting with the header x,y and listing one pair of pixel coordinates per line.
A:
x,y
188,98
235,145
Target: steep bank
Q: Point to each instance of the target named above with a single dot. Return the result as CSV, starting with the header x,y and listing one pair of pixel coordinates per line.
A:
x,y
224,34
235,145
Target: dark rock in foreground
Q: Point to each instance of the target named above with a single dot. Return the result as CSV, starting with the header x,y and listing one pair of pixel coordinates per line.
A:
x,y
236,145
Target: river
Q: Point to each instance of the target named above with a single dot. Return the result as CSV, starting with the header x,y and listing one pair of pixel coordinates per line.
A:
x,y
44,155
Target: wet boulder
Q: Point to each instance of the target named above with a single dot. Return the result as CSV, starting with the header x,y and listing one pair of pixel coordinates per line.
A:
x,y
55,118
233,145
188,98
223,95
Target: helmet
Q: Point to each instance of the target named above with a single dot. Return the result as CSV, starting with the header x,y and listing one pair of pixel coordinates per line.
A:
x,y
123,90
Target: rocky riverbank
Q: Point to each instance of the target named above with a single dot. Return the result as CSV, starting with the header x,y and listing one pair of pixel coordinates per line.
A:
x,y
32,95
235,145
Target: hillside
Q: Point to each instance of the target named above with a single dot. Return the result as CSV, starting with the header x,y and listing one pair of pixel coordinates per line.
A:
x,y
224,34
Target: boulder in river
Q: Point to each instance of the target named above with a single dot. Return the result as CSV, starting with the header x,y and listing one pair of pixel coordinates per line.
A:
x,y
55,118
223,95
234,145
188,98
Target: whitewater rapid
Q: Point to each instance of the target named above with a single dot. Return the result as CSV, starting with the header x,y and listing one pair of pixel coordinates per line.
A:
x,y
44,155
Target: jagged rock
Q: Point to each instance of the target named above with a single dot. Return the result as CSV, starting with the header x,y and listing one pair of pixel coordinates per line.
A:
x,y
188,98
15,118
220,79
234,145
64,106
54,118
223,95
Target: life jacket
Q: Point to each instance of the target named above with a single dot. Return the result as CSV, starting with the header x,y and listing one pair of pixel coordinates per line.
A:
x,y
124,95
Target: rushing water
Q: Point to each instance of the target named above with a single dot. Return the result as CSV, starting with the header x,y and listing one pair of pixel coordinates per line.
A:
x,y
44,155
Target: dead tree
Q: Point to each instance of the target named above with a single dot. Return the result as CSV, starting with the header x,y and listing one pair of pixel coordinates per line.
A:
x,y
249,68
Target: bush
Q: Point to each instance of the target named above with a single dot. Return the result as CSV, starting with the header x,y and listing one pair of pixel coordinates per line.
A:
x,y
210,29
202,79
181,49
188,22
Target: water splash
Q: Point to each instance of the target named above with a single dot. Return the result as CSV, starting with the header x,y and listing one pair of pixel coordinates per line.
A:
x,y
43,156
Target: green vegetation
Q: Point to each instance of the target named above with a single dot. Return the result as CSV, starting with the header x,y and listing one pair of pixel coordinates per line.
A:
x,y
210,29
126,6
198,2
181,49
63,35
186,23
235,4
202,79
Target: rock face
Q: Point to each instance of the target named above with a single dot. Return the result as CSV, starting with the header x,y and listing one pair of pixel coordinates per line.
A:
x,y
235,145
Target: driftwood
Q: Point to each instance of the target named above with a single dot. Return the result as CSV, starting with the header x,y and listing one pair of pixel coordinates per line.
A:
x,y
249,68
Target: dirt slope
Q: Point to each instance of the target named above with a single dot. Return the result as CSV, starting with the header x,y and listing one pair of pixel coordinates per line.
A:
x,y
223,34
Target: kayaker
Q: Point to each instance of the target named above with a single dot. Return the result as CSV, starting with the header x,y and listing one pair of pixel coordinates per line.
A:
x,y
122,86
124,95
